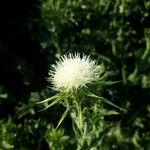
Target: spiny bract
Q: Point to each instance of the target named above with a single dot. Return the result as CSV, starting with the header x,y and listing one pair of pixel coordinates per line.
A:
x,y
72,72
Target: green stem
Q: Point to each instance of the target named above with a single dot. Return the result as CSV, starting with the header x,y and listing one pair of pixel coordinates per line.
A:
x,y
147,48
80,118
79,115
147,40
124,75
132,77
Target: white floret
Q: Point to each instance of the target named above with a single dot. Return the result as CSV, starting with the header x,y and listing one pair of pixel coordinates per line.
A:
x,y
72,72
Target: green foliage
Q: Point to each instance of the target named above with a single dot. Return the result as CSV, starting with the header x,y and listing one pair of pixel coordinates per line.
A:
x,y
7,135
115,33
55,138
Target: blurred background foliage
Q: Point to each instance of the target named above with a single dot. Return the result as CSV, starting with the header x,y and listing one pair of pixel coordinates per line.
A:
x,y
33,34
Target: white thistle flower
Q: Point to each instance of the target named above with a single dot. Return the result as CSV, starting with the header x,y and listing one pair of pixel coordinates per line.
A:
x,y
73,72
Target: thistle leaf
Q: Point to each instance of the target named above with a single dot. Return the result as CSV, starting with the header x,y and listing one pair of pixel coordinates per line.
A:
x,y
49,99
53,103
63,116
105,101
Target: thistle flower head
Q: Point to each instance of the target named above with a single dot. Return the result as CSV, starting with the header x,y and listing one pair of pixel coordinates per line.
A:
x,y
72,72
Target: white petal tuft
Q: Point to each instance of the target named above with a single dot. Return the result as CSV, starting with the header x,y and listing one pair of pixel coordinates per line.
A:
x,y
72,72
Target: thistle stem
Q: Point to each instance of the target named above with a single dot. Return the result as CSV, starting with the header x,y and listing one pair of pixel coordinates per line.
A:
x,y
79,116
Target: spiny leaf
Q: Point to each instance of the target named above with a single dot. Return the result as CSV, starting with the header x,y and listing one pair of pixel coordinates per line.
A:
x,y
63,116
110,103
49,99
105,101
53,103
111,82
111,112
